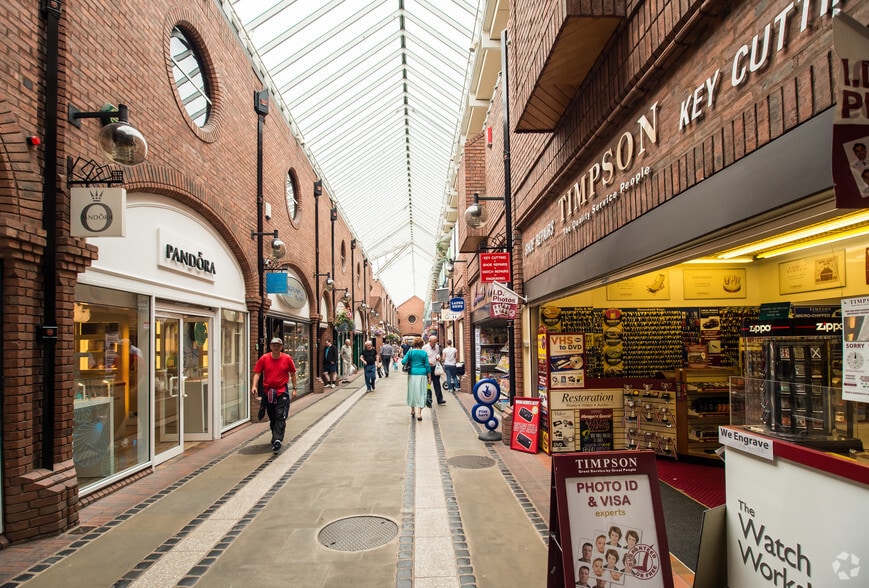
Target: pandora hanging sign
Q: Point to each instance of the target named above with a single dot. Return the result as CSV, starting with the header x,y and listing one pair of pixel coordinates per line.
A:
x,y
97,212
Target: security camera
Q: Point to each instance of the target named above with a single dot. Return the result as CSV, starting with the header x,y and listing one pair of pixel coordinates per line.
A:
x,y
268,211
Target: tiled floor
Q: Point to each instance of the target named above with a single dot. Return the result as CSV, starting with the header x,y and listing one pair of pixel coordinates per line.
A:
x,y
351,453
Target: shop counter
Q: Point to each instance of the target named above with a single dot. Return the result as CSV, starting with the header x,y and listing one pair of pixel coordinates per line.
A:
x,y
795,516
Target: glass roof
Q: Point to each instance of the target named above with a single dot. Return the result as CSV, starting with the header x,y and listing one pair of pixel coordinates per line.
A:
x,y
375,92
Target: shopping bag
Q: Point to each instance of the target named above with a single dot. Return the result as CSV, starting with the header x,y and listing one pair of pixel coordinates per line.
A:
x,y
380,371
439,369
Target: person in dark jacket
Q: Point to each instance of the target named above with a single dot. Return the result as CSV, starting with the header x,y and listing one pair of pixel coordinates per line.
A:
x,y
330,365
371,362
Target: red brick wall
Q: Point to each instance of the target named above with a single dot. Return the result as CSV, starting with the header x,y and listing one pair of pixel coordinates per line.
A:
x,y
212,170
658,57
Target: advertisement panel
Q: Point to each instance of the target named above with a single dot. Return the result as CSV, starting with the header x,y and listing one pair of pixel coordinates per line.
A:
x,y
609,521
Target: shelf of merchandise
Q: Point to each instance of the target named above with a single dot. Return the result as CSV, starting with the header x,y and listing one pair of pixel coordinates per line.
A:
x,y
703,405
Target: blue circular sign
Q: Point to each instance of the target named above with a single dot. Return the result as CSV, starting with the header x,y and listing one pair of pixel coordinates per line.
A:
x,y
482,413
486,391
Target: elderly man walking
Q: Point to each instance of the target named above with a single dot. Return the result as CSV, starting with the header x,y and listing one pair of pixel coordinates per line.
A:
x,y
434,356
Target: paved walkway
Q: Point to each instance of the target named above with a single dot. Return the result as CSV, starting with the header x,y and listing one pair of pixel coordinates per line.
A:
x,y
362,495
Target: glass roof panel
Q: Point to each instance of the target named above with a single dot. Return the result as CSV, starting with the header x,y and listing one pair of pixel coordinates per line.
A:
x,y
376,90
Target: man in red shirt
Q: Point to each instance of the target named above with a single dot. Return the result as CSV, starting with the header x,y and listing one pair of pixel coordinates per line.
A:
x,y
276,368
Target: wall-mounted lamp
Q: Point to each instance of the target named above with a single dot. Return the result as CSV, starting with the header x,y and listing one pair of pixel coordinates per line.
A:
x,y
278,249
450,266
346,295
476,215
330,283
118,140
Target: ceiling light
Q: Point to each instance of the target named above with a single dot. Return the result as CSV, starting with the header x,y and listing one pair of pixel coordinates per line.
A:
x,y
814,243
811,231
717,260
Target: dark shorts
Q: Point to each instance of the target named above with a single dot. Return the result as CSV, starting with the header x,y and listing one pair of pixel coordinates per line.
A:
x,y
330,369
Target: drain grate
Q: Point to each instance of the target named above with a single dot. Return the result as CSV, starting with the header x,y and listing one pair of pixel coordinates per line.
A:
x,y
471,462
358,533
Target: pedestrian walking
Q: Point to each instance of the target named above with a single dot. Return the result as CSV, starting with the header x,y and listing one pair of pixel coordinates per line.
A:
x,y
370,363
386,352
419,376
449,356
330,365
276,368
433,350
347,360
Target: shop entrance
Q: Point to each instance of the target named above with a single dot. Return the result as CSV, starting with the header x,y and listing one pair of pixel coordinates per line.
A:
x,y
182,411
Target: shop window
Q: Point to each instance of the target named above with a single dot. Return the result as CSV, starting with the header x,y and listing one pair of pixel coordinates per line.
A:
x,y
235,402
191,81
111,384
297,344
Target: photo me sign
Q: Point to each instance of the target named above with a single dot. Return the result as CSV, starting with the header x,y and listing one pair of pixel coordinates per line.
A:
x,y
607,522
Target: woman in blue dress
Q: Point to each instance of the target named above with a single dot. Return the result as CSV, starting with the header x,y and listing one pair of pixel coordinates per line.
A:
x,y
418,379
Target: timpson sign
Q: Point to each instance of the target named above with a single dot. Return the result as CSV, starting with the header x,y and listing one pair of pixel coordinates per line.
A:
x,y
617,172
604,181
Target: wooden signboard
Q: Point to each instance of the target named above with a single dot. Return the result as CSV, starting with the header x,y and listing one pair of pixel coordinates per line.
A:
x,y
607,522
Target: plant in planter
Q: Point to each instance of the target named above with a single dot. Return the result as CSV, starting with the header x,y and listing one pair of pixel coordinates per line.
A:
x,y
344,322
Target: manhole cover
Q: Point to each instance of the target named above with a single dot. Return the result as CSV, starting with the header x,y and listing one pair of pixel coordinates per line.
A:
x,y
358,533
471,462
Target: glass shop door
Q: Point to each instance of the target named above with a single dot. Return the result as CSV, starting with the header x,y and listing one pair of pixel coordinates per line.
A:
x,y
181,383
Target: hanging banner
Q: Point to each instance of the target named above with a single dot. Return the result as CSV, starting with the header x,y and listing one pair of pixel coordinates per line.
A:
x,y
503,302
494,267
97,212
277,283
851,119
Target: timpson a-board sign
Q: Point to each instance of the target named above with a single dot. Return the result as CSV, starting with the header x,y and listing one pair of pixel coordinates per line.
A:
x,y
607,522
620,168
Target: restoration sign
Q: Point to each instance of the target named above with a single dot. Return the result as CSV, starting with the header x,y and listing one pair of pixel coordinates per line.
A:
x,y
608,521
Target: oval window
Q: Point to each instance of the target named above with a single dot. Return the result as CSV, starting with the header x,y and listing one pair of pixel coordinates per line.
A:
x,y
190,80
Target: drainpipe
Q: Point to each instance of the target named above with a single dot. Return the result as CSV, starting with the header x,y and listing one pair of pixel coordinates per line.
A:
x,y
48,330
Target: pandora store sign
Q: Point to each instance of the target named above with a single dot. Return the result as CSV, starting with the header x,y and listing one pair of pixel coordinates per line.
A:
x,y
97,212
178,254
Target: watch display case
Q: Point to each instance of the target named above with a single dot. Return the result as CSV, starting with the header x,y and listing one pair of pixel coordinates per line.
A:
x,y
792,385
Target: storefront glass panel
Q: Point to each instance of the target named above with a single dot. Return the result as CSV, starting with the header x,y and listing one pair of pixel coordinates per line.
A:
x,y
235,404
110,422
297,345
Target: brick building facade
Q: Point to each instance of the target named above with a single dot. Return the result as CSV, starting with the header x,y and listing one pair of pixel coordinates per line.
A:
x,y
87,405
644,135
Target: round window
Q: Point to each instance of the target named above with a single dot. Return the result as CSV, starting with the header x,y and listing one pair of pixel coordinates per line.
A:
x,y
190,81
411,318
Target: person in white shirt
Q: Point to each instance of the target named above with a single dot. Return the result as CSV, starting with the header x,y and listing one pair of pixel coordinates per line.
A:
x,y
434,354
449,356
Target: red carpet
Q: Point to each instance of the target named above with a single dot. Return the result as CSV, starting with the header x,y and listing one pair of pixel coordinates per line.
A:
x,y
703,483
